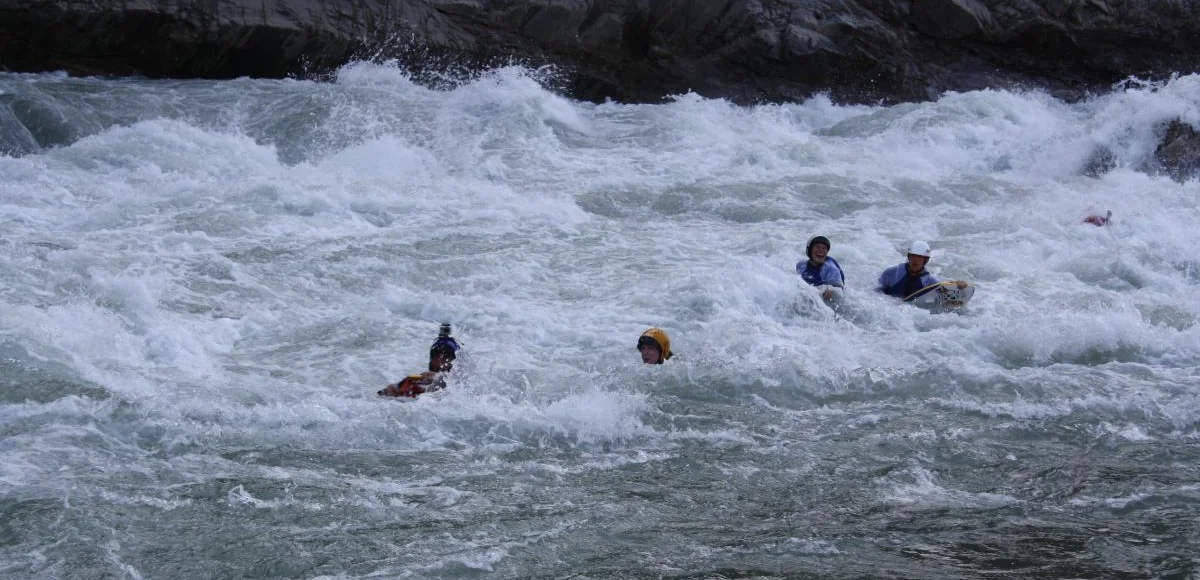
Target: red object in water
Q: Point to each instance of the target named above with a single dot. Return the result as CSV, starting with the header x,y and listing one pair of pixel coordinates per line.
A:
x,y
1098,220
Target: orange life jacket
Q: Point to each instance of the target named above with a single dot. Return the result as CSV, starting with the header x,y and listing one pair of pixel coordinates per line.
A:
x,y
414,385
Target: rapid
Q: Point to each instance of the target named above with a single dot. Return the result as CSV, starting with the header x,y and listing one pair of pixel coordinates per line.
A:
x,y
204,283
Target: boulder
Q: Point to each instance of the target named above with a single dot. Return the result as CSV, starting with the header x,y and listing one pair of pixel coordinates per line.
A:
x,y
629,50
1178,154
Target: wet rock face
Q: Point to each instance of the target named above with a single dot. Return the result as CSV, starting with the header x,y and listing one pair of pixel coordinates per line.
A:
x,y
1178,154
950,19
630,50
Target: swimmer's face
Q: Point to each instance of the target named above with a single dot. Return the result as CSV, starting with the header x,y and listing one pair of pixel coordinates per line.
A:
x,y
650,354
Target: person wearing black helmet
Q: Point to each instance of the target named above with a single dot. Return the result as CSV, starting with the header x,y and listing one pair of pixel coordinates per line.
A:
x,y
820,269
441,360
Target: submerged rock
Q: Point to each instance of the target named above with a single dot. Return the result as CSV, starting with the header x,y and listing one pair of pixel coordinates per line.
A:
x,y
629,50
1178,154
1102,161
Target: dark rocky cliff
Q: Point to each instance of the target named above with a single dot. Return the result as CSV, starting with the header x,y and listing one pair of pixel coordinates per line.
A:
x,y
629,50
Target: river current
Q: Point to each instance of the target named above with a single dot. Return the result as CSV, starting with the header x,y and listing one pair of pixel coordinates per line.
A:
x,y
203,284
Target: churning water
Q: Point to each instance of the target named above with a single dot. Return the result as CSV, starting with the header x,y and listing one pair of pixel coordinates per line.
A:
x,y
203,284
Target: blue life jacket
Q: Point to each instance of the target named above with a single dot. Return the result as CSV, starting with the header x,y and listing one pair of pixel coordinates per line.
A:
x,y
829,273
897,281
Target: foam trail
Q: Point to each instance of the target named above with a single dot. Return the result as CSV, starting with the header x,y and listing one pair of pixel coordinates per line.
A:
x,y
205,282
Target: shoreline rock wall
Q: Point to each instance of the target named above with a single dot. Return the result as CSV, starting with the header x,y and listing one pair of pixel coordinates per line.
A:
x,y
746,51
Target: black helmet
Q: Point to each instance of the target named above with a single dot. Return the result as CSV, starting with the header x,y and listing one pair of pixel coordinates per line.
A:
x,y
816,240
445,343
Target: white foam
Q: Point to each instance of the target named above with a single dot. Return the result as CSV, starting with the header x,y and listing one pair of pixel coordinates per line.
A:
x,y
918,486
253,276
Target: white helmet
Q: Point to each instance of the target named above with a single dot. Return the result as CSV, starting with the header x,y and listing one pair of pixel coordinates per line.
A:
x,y
919,248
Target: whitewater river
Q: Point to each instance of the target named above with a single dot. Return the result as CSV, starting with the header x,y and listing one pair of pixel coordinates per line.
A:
x,y
203,285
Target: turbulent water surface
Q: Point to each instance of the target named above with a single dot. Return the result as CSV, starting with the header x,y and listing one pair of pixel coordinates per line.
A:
x,y
203,284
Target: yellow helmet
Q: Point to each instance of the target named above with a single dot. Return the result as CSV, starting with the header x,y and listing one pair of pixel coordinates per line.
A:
x,y
658,337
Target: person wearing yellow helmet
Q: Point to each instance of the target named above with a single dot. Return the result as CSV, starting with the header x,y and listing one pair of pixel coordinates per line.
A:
x,y
441,361
655,346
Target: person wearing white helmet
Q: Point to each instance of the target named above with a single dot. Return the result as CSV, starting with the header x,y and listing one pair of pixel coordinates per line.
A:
x,y
905,279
